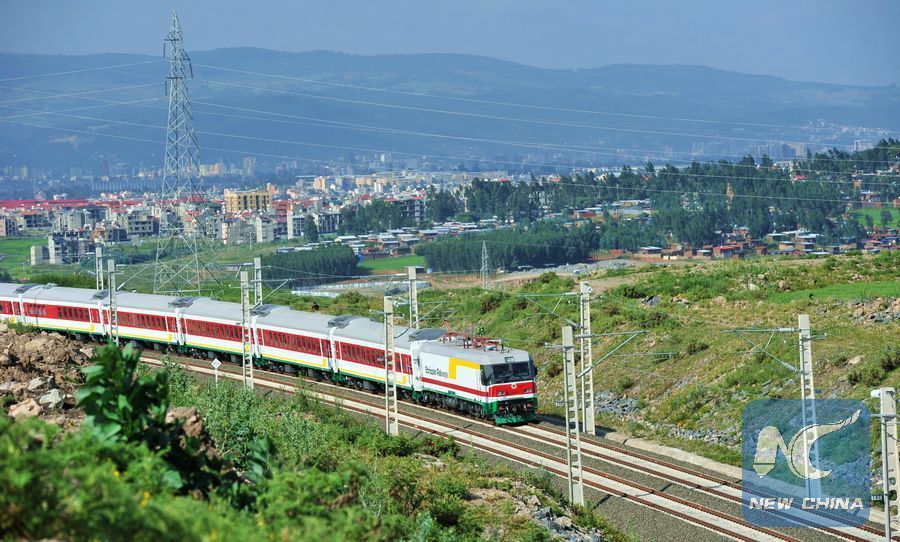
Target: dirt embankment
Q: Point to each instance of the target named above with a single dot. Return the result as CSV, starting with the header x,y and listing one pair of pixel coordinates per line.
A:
x,y
40,373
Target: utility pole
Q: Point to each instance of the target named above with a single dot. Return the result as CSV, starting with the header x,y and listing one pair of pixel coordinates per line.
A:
x,y
587,360
98,266
484,266
573,451
413,296
890,467
390,375
246,339
257,282
113,302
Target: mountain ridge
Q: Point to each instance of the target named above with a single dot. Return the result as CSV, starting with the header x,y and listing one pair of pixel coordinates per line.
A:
x,y
620,106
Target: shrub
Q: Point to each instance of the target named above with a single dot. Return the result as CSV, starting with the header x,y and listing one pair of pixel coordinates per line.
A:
x,y
633,291
889,358
869,375
447,510
624,384
121,405
490,301
553,367
695,346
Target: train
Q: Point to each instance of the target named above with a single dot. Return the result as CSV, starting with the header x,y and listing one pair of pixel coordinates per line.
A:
x,y
475,376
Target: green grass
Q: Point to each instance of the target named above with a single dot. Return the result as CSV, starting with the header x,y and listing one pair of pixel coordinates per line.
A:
x,y
15,251
861,215
858,290
396,263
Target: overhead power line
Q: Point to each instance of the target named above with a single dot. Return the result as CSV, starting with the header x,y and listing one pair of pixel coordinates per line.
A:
x,y
393,151
591,150
55,96
551,166
498,117
514,104
83,70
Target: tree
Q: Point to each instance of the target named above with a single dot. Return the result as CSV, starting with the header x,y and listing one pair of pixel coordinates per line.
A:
x,y
870,223
441,205
886,218
311,267
310,231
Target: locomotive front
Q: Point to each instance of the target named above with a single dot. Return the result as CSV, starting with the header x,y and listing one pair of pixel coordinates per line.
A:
x,y
509,378
480,377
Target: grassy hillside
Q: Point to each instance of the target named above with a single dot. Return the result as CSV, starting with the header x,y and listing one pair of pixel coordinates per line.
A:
x,y
687,379
14,251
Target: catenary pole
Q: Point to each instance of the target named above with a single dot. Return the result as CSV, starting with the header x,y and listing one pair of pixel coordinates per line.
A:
x,y
413,296
113,302
98,266
573,435
890,467
257,282
587,360
808,402
246,340
390,375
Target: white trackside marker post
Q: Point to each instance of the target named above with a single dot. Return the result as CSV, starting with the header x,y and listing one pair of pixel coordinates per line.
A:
x,y
215,365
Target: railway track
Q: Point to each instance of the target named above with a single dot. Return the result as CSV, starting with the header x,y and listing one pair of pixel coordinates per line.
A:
x,y
725,524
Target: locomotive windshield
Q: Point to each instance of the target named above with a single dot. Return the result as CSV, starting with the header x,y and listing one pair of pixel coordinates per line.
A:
x,y
510,372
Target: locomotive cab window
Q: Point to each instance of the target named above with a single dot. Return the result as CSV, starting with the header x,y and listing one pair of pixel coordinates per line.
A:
x,y
518,371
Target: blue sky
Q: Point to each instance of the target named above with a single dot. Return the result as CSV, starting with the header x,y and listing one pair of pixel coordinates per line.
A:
x,y
839,41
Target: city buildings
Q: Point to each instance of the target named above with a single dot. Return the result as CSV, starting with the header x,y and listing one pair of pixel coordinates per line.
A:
x,y
238,201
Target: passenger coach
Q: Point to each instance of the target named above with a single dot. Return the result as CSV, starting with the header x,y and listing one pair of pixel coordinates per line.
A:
x,y
475,376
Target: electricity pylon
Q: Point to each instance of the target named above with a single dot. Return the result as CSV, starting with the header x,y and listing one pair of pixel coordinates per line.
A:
x,y
184,251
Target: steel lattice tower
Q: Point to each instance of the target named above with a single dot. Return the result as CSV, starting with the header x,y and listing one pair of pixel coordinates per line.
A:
x,y
184,249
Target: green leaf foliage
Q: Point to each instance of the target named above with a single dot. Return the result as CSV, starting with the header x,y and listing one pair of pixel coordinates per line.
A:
x,y
311,267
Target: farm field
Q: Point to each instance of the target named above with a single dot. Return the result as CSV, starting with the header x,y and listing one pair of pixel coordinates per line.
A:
x,y
397,263
861,215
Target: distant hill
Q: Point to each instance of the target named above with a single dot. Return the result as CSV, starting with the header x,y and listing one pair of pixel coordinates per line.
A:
x,y
236,102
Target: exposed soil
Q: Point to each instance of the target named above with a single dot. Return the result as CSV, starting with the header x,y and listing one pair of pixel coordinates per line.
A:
x,y
40,373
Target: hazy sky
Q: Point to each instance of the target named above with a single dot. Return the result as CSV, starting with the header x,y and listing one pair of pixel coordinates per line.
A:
x,y
840,41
